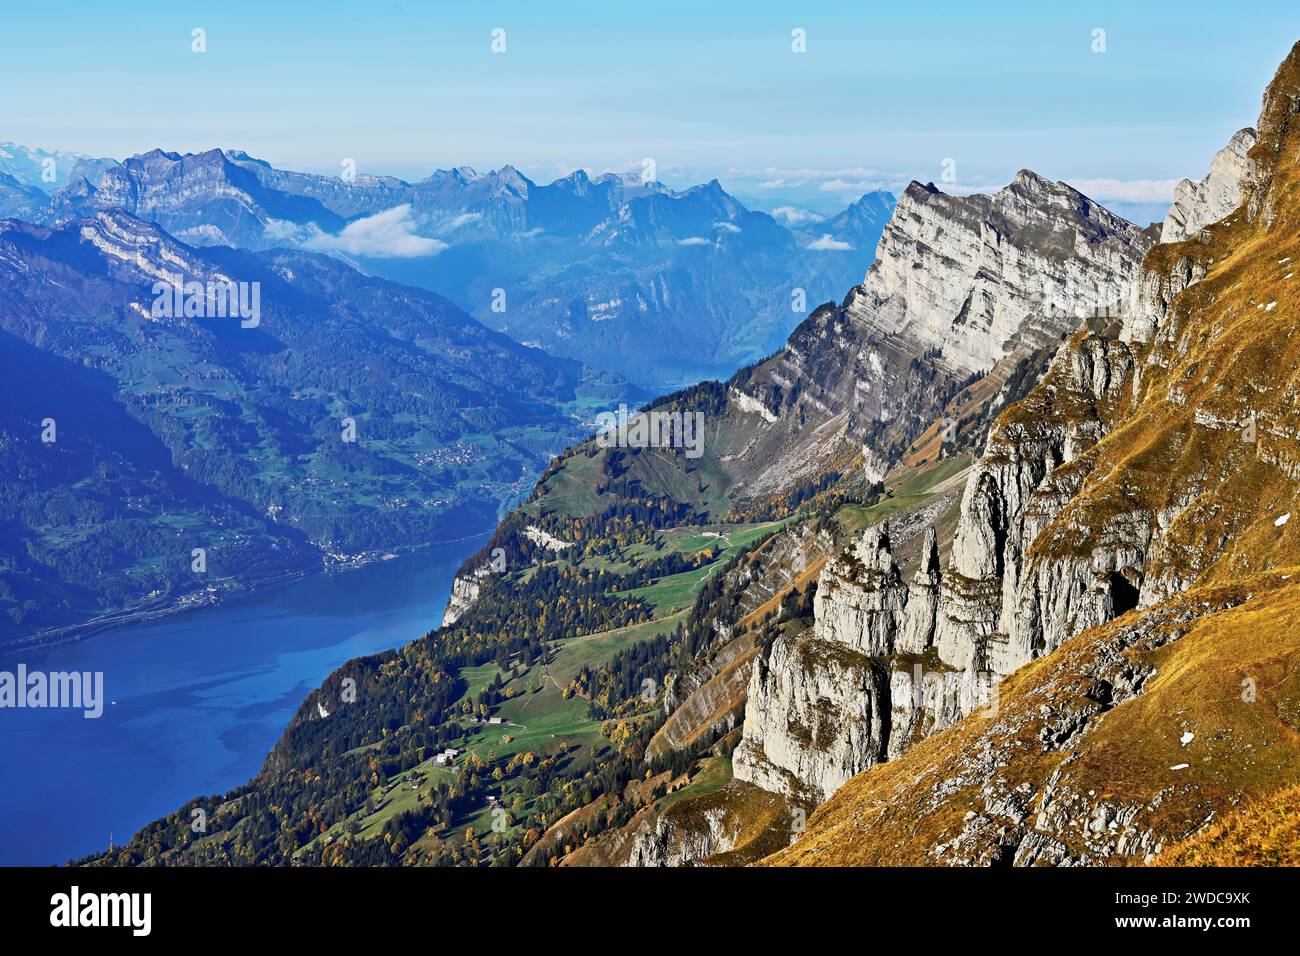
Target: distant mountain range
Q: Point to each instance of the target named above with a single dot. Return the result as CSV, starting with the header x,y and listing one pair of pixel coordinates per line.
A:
x,y
662,286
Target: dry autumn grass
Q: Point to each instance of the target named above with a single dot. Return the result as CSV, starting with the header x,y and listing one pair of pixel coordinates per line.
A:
x,y
1265,833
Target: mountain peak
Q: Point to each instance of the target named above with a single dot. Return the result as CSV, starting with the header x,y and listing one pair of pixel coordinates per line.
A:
x,y
240,156
1277,116
919,190
1197,204
969,308
154,154
1028,179
712,190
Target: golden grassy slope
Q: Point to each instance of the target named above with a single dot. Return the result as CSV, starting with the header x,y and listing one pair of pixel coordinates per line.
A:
x,y
1264,833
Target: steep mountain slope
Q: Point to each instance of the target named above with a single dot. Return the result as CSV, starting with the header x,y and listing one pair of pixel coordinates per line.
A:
x,y
1084,760
1263,833
153,432
662,286
1129,523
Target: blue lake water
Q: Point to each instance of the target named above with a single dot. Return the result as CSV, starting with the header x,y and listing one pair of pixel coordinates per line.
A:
x,y
200,700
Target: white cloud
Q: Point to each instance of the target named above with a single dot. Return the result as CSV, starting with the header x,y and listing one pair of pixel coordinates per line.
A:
x,y
774,173
827,244
385,235
1126,190
795,216
529,233
693,241
845,186
726,226
282,230
464,219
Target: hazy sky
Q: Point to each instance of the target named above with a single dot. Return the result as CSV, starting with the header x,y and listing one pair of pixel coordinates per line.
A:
x,y
885,92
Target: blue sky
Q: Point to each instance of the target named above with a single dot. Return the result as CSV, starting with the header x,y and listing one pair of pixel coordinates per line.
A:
x,y
885,92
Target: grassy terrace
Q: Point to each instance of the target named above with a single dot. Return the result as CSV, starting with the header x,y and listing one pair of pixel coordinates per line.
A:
x,y
677,592
540,718
714,774
914,488
575,489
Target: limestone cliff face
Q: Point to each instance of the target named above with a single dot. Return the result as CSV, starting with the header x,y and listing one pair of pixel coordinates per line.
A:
x,y
1152,293
956,283
862,683
1000,606
662,840
465,590
962,274
1047,537
1196,205
889,661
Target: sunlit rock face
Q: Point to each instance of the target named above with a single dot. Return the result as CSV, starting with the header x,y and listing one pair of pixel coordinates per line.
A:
x,y
1196,205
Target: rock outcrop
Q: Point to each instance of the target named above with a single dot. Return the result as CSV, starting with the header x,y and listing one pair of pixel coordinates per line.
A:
x,y
734,825
1196,205
860,685
1128,739
957,284
663,841
465,590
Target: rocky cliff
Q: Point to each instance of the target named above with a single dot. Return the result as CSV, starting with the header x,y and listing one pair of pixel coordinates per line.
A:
x,y
955,281
890,660
962,274
1130,738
